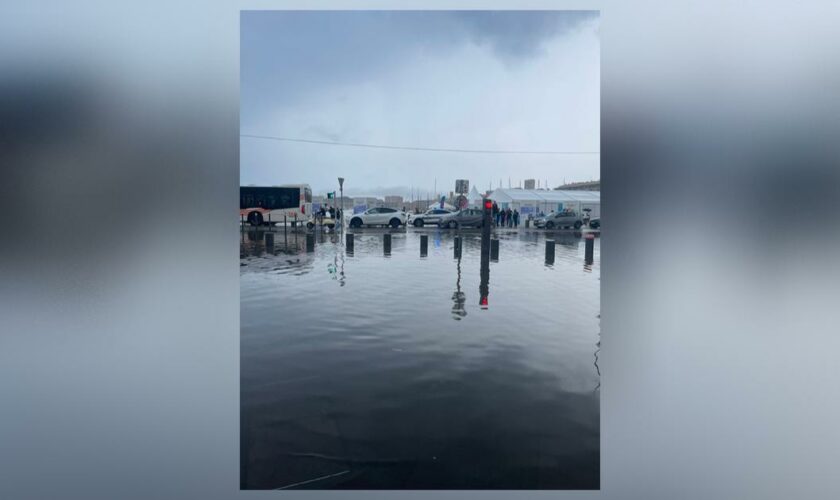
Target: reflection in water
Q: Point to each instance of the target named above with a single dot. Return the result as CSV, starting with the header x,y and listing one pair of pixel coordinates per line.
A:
x,y
459,298
484,285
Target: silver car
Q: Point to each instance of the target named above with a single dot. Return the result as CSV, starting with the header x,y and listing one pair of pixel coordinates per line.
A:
x,y
430,216
472,217
559,219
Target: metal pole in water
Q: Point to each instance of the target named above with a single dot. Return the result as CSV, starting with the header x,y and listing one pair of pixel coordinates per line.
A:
x,y
386,239
424,245
494,249
310,242
349,241
549,251
589,249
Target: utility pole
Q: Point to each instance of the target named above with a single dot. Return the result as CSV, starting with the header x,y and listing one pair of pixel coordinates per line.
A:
x,y
341,188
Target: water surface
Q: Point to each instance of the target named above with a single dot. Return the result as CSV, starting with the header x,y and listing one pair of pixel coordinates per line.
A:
x,y
375,371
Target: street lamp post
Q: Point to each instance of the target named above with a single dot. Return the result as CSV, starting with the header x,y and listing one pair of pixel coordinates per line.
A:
x,y
341,188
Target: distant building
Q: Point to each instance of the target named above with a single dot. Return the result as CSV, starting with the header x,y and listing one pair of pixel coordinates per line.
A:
x,y
394,202
582,186
362,203
530,184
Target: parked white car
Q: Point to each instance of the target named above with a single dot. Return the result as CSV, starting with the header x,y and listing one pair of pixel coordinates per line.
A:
x,y
379,216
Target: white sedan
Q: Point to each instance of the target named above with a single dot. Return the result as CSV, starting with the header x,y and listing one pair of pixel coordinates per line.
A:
x,y
379,216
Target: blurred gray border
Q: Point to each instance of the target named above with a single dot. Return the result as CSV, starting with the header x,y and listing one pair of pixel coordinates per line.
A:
x,y
119,346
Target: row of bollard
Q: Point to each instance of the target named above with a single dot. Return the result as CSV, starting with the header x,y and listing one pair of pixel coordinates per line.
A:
x,y
588,252
589,246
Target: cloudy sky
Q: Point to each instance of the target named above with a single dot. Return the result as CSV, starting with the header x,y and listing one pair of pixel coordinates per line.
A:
x,y
500,81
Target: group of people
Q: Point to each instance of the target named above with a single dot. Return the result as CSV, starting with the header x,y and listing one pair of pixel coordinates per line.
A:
x,y
505,217
332,212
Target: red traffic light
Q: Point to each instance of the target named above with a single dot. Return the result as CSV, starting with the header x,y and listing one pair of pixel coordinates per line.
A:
x,y
488,204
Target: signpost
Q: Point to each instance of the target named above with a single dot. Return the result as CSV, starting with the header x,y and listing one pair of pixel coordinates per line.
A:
x,y
462,186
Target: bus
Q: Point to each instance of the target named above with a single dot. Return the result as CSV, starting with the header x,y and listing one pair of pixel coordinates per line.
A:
x,y
291,203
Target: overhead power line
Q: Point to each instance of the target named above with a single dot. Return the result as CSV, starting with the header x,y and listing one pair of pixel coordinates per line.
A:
x,y
417,148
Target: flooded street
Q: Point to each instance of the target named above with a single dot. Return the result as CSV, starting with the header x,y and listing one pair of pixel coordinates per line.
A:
x,y
396,371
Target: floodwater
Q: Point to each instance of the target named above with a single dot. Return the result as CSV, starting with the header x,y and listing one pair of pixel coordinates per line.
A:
x,y
375,371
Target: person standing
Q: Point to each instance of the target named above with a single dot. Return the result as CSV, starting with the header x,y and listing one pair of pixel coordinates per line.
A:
x,y
515,218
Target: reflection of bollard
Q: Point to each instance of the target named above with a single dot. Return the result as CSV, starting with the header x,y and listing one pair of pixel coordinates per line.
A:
x,y
310,242
269,242
494,249
386,238
457,247
527,223
549,251
349,240
424,245
590,248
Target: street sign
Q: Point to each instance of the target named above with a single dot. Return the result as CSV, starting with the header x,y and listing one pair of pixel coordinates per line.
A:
x,y
462,186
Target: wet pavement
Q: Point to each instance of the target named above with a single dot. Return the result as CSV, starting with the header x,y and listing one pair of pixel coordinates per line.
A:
x,y
394,371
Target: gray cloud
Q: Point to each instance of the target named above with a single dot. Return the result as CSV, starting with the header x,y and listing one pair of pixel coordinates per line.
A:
x,y
519,34
469,80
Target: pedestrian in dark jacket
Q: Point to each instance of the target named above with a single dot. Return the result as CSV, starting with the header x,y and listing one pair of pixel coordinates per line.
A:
x,y
515,218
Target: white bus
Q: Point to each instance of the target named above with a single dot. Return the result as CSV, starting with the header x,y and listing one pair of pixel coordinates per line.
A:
x,y
290,203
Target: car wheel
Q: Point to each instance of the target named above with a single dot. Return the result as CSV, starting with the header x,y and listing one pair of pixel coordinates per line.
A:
x,y
578,224
549,225
357,222
255,219
418,223
395,223
452,225
309,225
595,225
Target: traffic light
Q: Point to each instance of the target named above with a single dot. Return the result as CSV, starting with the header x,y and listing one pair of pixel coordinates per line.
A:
x,y
331,196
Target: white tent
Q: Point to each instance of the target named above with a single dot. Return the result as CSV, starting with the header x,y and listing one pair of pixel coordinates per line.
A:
x,y
474,198
534,201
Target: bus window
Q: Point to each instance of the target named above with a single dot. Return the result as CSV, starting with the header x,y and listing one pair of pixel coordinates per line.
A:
x,y
307,195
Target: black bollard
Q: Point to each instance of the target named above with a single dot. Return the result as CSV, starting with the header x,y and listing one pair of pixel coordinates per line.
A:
x,y
386,239
494,249
527,223
457,247
549,251
349,242
310,242
269,242
424,245
589,249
